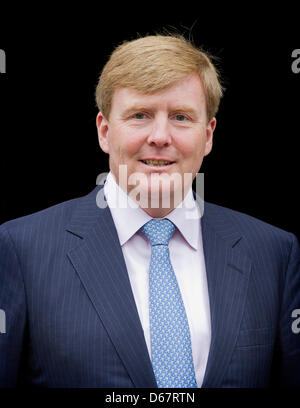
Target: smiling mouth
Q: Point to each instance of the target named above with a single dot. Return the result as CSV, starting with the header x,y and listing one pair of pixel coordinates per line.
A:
x,y
157,162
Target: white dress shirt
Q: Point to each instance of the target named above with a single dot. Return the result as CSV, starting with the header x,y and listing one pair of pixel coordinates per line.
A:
x,y
187,258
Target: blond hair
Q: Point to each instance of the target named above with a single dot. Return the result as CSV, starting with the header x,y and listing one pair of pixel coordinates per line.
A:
x,y
151,64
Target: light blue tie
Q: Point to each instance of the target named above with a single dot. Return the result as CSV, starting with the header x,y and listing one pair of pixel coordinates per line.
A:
x,y
171,349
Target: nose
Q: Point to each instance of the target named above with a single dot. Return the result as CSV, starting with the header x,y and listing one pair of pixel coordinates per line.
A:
x,y
160,134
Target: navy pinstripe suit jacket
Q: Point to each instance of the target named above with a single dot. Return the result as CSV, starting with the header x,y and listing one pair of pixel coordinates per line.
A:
x,y
71,318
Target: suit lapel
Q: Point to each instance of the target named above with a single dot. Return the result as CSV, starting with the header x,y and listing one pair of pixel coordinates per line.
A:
x,y
228,269
99,262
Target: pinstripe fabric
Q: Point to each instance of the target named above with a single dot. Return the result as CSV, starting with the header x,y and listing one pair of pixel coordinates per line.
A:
x,y
71,319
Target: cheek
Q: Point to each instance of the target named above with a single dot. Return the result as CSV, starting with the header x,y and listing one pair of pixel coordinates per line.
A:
x,y
191,146
125,142
132,145
192,152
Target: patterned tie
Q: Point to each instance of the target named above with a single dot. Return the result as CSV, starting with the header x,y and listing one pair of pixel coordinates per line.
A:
x,y
171,348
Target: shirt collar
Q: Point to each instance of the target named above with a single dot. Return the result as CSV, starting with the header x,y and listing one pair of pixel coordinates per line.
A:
x,y
129,217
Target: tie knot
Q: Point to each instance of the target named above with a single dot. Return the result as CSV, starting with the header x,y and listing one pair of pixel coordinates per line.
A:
x,y
158,232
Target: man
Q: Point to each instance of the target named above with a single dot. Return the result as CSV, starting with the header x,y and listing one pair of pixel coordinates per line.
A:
x,y
136,284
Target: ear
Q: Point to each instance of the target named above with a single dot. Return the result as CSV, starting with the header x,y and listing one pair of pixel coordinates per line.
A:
x,y
209,135
102,129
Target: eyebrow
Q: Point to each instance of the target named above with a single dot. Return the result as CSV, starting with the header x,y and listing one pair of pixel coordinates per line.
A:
x,y
135,108
185,109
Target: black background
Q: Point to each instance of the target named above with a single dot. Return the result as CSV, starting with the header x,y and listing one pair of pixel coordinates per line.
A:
x,y
49,146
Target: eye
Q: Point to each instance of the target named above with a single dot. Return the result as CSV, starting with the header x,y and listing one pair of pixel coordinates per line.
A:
x,y
181,118
139,115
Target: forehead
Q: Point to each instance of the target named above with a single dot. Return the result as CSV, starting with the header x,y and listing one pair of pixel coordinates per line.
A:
x,y
187,91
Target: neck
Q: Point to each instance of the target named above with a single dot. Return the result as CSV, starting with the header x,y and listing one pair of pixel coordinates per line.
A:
x,y
160,207
155,204
157,212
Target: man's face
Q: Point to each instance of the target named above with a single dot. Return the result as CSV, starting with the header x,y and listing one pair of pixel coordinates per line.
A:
x,y
169,126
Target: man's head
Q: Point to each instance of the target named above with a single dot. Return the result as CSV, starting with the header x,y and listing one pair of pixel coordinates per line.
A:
x,y
150,64
157,98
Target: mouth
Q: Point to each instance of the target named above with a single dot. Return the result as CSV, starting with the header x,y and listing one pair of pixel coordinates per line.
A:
x,y
157,163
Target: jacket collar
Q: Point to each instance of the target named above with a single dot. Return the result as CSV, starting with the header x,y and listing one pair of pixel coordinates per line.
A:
x,y
99,262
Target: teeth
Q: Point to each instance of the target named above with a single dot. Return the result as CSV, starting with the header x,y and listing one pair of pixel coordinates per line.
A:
x,y
156,162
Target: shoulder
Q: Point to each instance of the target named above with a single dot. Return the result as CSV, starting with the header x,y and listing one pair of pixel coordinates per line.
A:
x,y
49,220
252,229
